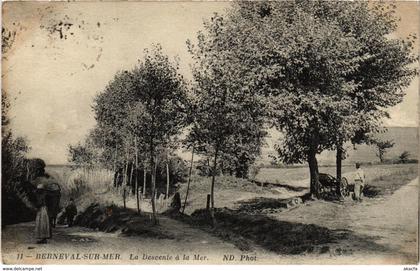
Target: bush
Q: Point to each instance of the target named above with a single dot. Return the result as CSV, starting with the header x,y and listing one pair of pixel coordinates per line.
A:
x,y
76,182
35,168
412,161
253,171
203,167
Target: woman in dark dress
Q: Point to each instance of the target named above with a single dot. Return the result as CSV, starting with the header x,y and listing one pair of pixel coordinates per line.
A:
x,y
42,223
71,212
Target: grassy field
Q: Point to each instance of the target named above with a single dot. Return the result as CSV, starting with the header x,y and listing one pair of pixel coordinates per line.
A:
x,y
76,181
315,227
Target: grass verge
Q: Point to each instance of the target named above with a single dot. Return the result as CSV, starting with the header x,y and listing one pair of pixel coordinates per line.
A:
x,y
247,232
388,184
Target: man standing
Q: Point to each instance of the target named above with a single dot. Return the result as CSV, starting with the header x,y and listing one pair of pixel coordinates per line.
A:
x,y
359,182
71,212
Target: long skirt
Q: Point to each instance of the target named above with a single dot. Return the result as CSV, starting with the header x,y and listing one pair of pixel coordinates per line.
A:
x,y
42,224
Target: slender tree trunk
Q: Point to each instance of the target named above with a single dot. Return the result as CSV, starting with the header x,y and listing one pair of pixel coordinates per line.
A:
x,y
313,166
137,198
27,171
136,176
213,179
313,170
189,180
125,179
167,178
208,165
144,180
115,168
155,221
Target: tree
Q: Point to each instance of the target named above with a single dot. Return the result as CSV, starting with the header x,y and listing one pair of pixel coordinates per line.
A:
x,y
145,105
329,70
381,147
382,77
228,119
16,170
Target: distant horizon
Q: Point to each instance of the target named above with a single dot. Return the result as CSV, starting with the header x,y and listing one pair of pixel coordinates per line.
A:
x,y
188,153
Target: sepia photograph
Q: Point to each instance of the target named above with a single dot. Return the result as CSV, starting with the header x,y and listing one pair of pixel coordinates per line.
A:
x,y
210,132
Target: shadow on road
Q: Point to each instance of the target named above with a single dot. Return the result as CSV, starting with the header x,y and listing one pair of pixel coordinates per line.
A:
x,y
262,204
245,230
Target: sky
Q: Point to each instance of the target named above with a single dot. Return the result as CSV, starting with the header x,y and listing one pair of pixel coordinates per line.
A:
x,y
53,71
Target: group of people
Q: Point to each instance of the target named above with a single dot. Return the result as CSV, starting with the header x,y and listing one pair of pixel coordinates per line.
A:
x,y
45,222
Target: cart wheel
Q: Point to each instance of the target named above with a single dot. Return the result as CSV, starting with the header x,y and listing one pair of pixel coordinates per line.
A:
x,y
344,187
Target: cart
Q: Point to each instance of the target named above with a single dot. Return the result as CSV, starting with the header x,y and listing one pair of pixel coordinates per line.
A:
x,y
331,188
53,201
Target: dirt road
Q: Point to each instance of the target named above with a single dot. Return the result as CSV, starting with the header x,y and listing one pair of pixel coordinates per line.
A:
x,y
386,227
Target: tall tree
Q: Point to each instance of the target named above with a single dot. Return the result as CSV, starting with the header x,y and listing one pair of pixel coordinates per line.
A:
x,y
329,70
403,157
381,147
146,104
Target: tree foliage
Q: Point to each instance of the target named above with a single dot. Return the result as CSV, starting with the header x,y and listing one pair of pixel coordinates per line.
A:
x,y
81,155
8,37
